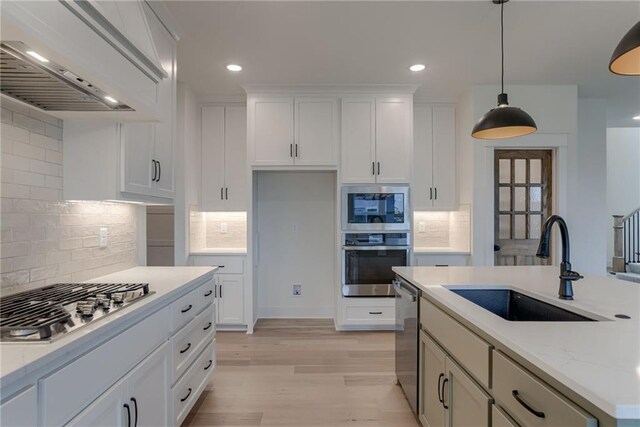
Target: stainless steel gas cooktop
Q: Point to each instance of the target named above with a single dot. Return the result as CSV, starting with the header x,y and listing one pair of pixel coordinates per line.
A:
x,y
44,314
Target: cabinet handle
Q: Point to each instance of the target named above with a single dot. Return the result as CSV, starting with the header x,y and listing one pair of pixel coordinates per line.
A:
x,y
220,291
209,365
290,150
373,168
186,348
128,414
153,178
135,411
378,168
184,310
221,193
207,327
375,312
430,193
297,150
226,193
528,407
187,396
208,293
446,380
435,193
159,170
440,377
215,290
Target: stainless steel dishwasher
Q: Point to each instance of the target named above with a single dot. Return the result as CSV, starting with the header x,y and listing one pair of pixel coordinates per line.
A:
x,y
407,340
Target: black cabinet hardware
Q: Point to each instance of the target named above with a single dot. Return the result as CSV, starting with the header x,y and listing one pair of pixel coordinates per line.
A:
x,y
220,291
135,411
186,348
375,312
444,383
442,265
207,327
297,150
221,193
128,414
209,365
373,168
159,170
528,407
215,290
440,398
155,170
226,193
184,310
187,396
290,150
430,193
208,293
435,193
378,168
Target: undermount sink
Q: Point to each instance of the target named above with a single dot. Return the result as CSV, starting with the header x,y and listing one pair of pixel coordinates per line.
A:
x,y
516,307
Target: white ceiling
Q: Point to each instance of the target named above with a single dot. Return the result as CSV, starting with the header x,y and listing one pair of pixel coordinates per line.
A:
x,y
547,42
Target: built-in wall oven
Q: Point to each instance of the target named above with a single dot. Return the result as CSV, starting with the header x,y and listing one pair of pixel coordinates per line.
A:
x,y
375,208
367,262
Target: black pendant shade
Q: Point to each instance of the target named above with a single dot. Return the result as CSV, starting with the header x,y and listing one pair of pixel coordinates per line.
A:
x,y
504,122
626,57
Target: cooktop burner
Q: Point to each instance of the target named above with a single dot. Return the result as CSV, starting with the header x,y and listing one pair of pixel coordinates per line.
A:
x,y
43,314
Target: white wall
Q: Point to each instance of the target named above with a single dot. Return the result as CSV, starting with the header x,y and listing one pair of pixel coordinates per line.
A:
x,y
305,200
623,176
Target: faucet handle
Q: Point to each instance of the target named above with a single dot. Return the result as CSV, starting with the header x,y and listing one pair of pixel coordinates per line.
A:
x,y
571,275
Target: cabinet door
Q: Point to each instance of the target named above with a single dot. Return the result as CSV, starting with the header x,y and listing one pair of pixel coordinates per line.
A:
x,y
21,410
501,419
149,386
230,299
444,158
235,158
316,132
137,155
358,140
393,140
432,373
213,158
108,410
422,188
468,404
165,128
271,131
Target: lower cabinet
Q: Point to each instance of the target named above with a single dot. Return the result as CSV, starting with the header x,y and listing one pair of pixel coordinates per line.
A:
x,y
449,396
139,399
230,299
21,410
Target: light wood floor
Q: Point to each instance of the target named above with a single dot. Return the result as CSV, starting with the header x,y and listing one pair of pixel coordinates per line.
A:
x,y
303,373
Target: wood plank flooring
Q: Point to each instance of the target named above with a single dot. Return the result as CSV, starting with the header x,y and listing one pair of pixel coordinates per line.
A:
x,y
302,372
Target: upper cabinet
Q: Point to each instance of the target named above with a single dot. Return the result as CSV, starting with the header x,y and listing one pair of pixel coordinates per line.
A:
x,y
377,139
434,163
224,158
293,131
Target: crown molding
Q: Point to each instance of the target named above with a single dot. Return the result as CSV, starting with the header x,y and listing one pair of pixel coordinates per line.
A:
x,y
408,89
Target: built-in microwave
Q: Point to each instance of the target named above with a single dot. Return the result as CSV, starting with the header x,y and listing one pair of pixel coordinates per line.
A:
x,y
375,208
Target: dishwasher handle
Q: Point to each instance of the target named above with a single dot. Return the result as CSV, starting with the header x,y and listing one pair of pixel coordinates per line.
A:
x,y
404,292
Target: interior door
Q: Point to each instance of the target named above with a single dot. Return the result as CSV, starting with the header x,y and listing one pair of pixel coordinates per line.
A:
x,y
358,140
149,386
523,195
432,372
393,141
213,158
137,156
316,131
235,158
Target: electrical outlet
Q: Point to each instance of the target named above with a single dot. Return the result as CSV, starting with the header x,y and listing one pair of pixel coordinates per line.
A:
x,y
104,237
224,228
295,227
422,227
297,290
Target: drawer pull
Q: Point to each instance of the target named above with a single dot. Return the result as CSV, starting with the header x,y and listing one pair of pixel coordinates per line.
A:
x,y
187,396
208,293
516,396
375,312
186,348
184,310
207,327
128,414
446,380
209,365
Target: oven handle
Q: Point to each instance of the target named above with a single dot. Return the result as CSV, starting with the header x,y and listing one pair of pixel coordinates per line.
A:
x,y
376,248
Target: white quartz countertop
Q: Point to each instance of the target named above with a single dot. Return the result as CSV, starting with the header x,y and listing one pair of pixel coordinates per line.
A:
x,y
598,361
220,251
18,360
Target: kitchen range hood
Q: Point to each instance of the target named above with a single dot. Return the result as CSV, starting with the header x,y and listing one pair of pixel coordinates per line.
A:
x,y
28,77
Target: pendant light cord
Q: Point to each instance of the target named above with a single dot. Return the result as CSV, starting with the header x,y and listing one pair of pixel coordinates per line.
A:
x,y
502,44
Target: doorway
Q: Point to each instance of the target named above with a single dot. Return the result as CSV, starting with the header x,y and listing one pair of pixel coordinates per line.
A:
x,y
522,203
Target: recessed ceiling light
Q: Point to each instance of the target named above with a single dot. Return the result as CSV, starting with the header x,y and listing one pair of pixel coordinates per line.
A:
x,y
234,67
417,67
636,118
111,100
37,56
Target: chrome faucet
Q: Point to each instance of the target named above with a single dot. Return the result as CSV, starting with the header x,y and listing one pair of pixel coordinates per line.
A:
x,y
567,277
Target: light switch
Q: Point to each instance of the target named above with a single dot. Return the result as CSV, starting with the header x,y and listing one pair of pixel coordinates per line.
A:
x,y
223,228
422,227
103,237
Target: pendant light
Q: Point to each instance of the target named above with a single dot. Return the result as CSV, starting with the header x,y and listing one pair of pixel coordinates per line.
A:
x,y
503,121
626,58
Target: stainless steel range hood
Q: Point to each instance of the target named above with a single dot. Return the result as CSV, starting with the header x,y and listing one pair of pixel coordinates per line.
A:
x,y
28,77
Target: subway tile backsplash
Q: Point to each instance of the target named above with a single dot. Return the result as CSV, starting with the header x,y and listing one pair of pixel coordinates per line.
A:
x,y
44,239
450,230
206,230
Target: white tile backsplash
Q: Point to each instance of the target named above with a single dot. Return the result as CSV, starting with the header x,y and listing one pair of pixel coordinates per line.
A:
x,y
46,240
450,230
206,233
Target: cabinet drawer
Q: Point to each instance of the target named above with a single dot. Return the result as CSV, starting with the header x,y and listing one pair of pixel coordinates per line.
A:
x,y
438,260
190,340
471,351
21,409
206,295
188,389
74,386
515,388
227,264
184,309
370,314
500,419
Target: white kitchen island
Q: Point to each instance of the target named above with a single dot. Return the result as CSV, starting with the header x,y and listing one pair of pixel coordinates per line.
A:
x,y
144,365
583,373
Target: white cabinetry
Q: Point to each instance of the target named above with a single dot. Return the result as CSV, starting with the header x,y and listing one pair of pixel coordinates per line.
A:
x,y
20,410
224,158
367,313
376,139
434,162
440,260
292,131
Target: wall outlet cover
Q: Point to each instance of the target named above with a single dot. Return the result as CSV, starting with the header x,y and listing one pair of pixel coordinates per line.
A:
x,y
104,232
297,290
224,228
422,227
